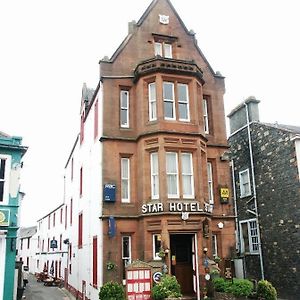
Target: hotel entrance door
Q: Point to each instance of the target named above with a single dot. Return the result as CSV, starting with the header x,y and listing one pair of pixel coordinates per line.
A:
x,y
183,261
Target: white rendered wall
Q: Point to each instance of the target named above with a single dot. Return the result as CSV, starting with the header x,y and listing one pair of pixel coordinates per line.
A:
x,y
2,262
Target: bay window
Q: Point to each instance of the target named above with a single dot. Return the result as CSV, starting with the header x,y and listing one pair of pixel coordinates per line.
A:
x,y
172,174
187,175
183,102
152,101
169,100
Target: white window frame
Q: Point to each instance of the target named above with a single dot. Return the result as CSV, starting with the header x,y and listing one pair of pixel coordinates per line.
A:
x,y
243,192
190,175
163,49
124,108
210,183
253,237
156,237
173,174
154,164
214,245
170,101
167,50
205,116
158,49
5,180
125,179
186,103
152,102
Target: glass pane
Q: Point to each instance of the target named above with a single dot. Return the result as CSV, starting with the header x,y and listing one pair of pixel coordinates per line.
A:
x,y
183,111
168,90
168,50
154,163
158,49
124,99
125,163
187,184
125,189
153,110
2,168
152,91
186,163
172,184
182,93
126,247
1,190
124,117
168,107
171,163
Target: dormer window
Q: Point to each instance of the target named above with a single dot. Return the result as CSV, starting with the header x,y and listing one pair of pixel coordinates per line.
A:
x,y
163,49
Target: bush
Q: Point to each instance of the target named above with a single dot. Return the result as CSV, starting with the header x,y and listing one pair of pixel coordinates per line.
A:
x,y
266,290
112,291
167,287
239,287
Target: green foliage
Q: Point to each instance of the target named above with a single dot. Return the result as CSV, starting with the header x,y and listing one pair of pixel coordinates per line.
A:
x,y
167,287
266,290
239,287
112,291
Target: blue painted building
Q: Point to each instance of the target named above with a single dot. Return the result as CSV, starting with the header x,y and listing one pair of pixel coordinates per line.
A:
x,y
11,153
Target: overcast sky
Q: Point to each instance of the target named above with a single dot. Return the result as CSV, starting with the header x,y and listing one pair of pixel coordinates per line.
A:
x,y
49,48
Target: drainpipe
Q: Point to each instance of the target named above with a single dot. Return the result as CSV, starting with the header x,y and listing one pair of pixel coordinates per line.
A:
x,y
254,194
235,206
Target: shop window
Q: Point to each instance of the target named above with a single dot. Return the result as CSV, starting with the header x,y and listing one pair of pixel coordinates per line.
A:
x,y
124,109
156,246
249,236
154,175
245,186
125,180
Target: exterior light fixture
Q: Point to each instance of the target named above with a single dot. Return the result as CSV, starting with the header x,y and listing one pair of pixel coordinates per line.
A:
x,y
220,225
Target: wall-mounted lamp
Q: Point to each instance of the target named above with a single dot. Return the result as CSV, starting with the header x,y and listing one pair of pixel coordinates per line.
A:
x,y
167,250
220,225
205,250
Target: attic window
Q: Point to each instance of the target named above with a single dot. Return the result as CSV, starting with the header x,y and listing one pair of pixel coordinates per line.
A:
x,y
163,45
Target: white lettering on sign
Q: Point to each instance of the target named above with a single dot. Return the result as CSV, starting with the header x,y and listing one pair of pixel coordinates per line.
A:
x,y
175,207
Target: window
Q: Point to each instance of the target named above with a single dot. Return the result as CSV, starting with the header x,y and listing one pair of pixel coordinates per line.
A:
x,y
249,236
28,243
125,180
96,119
81,182
124,107
3,174
182,96
126,253
163,49
187,177
183,102
152,101
172,174
205,116
214,245
49,222
95,261
156,246
245,187
154,175
66,217
72,168
169,100
210,183
71,211
82,128
60,242
21,244
53,219
80,230
61,215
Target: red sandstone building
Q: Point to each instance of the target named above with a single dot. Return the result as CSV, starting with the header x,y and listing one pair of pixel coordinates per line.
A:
x,y
164,151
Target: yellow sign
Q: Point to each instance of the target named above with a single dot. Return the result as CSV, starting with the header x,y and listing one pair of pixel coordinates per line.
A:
x,y
224,193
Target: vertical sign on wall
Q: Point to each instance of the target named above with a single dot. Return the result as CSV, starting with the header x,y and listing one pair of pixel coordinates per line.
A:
x,y
138,284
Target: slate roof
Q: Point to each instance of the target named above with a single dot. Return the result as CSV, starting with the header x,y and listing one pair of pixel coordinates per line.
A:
x,y
26,232
290,128
3,134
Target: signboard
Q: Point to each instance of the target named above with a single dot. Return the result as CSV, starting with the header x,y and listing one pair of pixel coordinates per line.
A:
x,y
109,192
138,284
4,217
224,195
157,277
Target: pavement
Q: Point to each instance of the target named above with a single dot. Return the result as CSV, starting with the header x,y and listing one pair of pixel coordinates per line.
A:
x,y
37,291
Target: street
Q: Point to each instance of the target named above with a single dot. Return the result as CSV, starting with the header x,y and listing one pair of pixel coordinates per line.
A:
x,y
37,291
